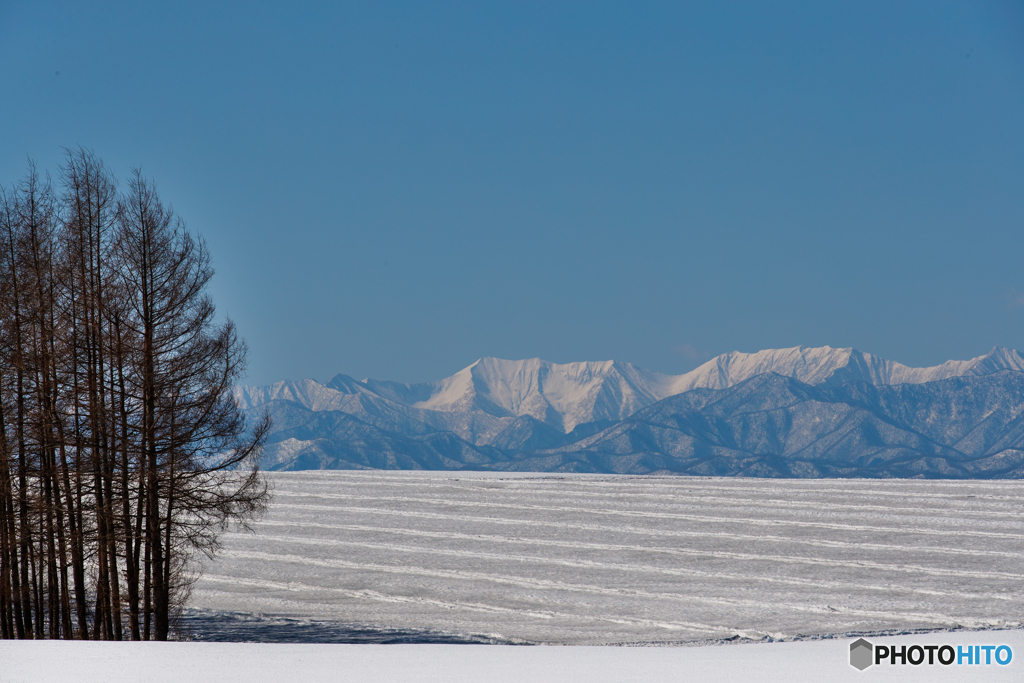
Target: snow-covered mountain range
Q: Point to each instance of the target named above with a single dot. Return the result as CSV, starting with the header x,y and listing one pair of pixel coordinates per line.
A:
x,y
598,416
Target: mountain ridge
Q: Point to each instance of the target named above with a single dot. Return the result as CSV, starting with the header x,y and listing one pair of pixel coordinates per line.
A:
x,y
568,394
500,414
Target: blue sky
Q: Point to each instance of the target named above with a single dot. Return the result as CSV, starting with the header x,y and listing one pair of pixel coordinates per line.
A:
x,y
396,189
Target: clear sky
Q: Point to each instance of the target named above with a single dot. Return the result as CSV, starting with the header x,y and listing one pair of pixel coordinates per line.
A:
x,y
394,190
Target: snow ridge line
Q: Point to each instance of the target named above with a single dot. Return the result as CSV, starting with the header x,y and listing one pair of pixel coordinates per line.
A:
x,y
630,513
728,555
641,481
683,533
542,584
545,584
437,478
652,569
784,491
1011,512
581,545
448,604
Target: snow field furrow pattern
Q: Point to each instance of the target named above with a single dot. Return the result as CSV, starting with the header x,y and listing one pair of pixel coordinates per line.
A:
x,y
569,545
845,546
591,560
994,489
901,568
463,575
784,492
723,590
760,496
714,536
492,610
634,502
562,509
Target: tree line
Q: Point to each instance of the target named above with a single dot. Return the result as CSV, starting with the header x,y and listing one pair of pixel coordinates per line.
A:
x,y
122,450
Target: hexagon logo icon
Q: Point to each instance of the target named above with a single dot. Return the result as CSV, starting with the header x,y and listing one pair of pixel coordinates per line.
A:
x,y
861,654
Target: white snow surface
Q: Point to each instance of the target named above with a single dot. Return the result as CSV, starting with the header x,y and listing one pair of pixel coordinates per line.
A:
x,y
569,394
612,560
590,559
822,660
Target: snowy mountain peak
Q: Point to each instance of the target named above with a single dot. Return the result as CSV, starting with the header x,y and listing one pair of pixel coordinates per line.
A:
x,y
561,395
487,396
832,367
807,364
999,358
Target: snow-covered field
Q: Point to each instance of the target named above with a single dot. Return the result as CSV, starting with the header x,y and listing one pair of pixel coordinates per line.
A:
x,y
586,559
794,662
593,559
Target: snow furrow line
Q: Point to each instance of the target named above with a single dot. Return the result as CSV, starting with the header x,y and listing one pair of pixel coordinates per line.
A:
x,y
696,497
546,584
573,483
647,515
674,533
725,555
683,533
472,606
489,538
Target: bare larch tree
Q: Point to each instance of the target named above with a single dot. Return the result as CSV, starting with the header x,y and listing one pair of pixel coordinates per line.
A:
x,y
123,452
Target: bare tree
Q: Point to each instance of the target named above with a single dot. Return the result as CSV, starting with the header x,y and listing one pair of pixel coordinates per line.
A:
x,y
122,450
194,443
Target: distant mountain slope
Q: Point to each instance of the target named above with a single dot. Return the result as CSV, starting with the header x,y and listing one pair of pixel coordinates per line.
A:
x,y
826,365
772,425
783,412
560,395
